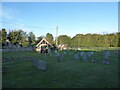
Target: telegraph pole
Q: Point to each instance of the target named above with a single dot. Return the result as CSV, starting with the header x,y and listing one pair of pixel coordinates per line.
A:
x,y
57,36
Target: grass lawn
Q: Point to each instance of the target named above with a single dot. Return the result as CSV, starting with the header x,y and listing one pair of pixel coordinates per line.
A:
x,y
70,73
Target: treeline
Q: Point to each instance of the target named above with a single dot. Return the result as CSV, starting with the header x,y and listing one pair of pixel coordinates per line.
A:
x,y
21,37
96,40
80,40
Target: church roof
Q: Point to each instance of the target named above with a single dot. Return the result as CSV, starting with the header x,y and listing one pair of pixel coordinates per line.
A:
x,y
42,41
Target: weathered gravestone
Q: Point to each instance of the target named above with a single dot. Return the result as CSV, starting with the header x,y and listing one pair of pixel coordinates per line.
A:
x,y
84,57
94,60
64,53
69,54
81,53
76,56
106,60
60,57
34,62
107,53
39,52
41,65
89,54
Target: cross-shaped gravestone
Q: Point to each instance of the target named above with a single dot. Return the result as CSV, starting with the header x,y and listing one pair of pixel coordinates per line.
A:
x,y
41,65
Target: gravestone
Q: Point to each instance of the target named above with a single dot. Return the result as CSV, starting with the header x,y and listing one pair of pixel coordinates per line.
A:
x,y
84,57
94,60
76,56
60,57
69,54
107,53
57,53
41,65
106,60
64,53
34,62
89,54
81,53
39,52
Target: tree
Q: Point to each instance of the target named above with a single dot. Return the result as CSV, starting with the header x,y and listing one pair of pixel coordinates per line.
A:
x,y
49,37
4,34
118,39
64,39
31,38
15,36
24,40
39,39
0,36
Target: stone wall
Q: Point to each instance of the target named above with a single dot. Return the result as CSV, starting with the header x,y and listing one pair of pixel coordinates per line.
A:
x,y
16,50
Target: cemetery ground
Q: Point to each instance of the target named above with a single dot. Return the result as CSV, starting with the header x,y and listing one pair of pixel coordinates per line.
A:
x,y
18,71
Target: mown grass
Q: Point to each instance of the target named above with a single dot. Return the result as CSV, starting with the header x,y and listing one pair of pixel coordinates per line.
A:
x,y
68,74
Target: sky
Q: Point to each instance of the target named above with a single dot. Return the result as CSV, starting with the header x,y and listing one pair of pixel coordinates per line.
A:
x,y
71,17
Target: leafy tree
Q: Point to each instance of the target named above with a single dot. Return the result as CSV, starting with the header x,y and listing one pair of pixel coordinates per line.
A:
x,y
49,37
31,38
39,39
64,39
15,36
4,34
118,37
0,35
24,40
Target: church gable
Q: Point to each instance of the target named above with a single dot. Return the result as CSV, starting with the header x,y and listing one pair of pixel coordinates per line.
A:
x,y
43,41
